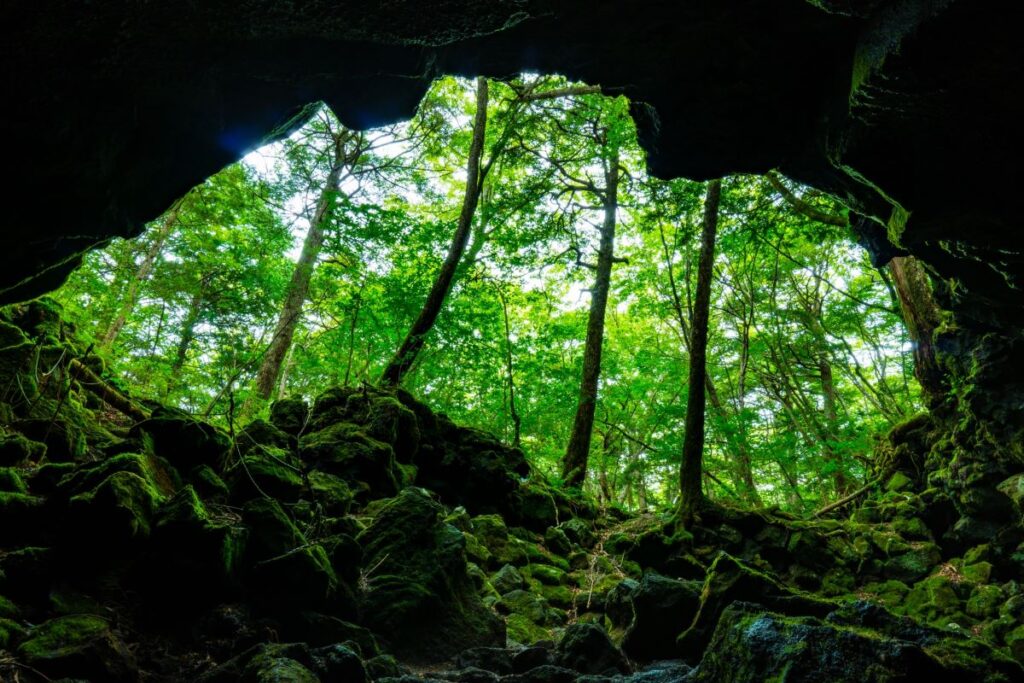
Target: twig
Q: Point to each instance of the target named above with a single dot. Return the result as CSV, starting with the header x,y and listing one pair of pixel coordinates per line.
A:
x,y
846,499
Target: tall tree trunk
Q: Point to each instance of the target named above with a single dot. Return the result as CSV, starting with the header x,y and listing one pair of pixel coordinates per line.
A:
x,y
690,479
185,338
298,288
574,464
410,348
921,316
509,368
828,391
141,275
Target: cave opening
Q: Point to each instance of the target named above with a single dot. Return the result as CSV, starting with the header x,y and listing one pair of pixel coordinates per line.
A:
x,y
808,341
711,373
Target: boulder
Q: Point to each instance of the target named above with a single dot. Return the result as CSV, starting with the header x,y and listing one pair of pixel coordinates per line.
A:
x,y
419,596
586,648
283,569
182,439
662,609
345,450
751,645
78,646
290,415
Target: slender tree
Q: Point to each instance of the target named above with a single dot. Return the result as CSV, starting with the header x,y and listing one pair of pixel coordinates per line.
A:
x,y
414,339
577,453
298,288
690,472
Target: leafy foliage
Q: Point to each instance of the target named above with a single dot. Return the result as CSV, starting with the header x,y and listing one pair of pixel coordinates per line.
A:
x,y
808,357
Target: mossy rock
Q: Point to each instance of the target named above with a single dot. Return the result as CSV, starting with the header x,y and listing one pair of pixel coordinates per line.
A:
x,y
522,630
283,569
914,564
420,596
662,608
890,593
507,579
77,646
15,450
63,438
195,557
11,633
343,449
183,440
391,422
290,415
751,644
208,483
547,575
985,601
21,516
330,492
262,433
265,471
729,580
935,601
117,511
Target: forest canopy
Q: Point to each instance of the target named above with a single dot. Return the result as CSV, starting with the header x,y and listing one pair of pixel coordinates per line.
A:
x,y
505,256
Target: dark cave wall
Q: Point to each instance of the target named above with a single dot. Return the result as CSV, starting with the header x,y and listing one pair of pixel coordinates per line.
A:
x,y
907,110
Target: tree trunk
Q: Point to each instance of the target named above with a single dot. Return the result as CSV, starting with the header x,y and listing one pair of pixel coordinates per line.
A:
x,y
690,479
921,316
574,465
509,369
298,288
410,348
828,390
185,338
141,275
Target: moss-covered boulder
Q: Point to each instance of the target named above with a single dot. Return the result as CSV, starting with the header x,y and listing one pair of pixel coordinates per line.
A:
x,y
418,594
751,645
15,449
283,570
586,648
290,415
115,512
78,646
729,580
662,608
183,440
195,556
345,450
265,471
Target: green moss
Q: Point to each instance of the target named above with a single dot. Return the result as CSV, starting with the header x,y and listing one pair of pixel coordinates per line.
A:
x,y
8,610
979,572
547,575
15,449
343,449
935,601
266,471
330,492
1015,643
63,636
11,632
11,481
985,601
119,507
208,483
520,629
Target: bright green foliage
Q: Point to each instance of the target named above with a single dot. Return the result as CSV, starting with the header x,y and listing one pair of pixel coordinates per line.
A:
x,y
808,357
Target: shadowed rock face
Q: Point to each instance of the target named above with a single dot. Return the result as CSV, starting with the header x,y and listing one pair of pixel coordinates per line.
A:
x,y
908,110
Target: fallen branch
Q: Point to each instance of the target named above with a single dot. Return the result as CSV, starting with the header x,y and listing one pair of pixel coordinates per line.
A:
x,y
101,388
846,499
